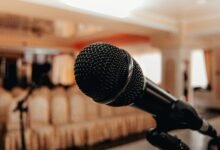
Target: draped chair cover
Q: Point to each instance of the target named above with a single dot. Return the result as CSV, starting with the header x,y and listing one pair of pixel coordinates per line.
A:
x,y
39,114
18,93
106,111
39,107
13,140
78,116
77,103
59,107
5,101
13,117
13,137
60,119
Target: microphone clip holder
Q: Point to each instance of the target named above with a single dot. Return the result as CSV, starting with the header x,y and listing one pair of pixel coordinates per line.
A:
x,y
181,116
165,141
160,137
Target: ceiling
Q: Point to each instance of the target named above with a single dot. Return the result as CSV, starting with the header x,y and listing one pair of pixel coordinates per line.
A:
x,y
162,15
98,18
181,9
185,9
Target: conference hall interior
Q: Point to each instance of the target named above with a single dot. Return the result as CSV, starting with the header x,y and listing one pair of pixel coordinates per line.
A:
x,y
176,44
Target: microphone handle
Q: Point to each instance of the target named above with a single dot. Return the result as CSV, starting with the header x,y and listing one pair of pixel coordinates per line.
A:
x,y
187,117
169,112
154,99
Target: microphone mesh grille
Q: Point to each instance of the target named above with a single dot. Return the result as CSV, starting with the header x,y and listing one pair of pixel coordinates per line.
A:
x,y
101,71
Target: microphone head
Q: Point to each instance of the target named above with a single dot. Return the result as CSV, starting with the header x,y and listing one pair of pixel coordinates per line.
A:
x,y
101,71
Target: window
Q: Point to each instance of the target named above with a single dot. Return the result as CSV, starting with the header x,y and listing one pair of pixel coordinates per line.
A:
x,y
150,64
198,69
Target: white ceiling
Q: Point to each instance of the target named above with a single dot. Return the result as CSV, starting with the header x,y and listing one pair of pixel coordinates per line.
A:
x,y
162,15
197,17
176,9
181,9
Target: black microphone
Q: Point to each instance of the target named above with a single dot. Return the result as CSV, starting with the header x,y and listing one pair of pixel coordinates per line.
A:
x,y
111,76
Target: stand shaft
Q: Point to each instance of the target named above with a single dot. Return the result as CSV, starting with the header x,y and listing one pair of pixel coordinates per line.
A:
x,y
22,132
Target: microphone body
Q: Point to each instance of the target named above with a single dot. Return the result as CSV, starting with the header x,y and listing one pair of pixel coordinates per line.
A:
x,y
111,76
169,112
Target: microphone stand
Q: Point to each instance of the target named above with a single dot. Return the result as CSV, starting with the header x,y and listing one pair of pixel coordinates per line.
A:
x,y
214,144
159,136
23,109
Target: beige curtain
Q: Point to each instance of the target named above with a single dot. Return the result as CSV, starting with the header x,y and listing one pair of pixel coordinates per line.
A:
x,y
208,64
62,72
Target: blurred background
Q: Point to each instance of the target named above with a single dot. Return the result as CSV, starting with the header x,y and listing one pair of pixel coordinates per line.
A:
x,y
176,44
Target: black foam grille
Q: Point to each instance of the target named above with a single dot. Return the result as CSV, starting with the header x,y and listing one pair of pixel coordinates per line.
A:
x,y
101,71
134,89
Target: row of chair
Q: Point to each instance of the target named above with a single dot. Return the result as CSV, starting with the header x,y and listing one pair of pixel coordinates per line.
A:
x,y
61,118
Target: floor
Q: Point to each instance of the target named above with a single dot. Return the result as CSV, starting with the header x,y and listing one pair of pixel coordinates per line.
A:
x,y
193,139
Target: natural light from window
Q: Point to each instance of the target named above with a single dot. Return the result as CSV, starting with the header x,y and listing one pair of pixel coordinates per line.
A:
x,y
198,70
150,63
